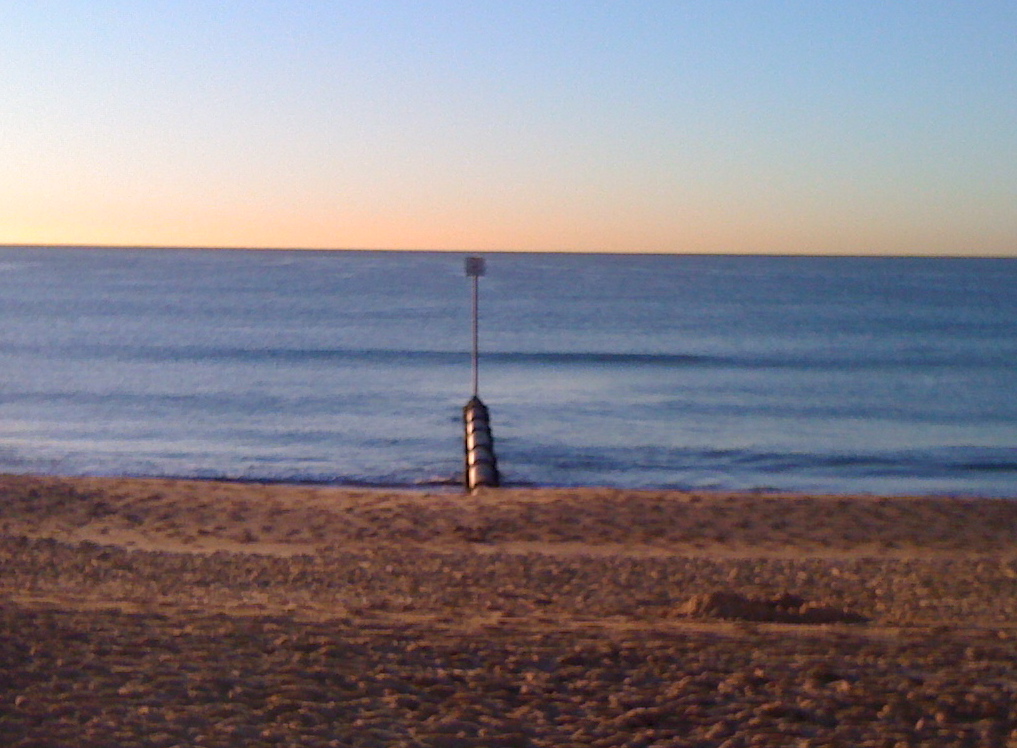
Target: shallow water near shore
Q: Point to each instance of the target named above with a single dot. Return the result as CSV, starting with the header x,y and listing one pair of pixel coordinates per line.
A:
x,y
847,375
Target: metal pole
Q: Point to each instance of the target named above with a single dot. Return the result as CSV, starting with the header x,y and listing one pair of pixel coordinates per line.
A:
x,y
475,267
476,337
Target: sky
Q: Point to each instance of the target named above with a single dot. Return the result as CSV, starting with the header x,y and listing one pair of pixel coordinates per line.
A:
x,y
683,126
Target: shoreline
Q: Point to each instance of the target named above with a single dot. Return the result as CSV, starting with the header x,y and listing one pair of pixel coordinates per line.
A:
x,y
156,612
455,485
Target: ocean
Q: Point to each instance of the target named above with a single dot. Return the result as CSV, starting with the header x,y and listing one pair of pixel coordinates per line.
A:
x,y
846,375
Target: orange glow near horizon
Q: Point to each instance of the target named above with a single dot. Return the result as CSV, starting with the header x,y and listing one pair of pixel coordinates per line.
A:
x,y
321,228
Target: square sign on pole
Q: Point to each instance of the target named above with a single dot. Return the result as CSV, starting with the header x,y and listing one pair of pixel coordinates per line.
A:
x,y
474,267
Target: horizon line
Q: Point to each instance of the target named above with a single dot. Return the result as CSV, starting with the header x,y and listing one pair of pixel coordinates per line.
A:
x,y
229,248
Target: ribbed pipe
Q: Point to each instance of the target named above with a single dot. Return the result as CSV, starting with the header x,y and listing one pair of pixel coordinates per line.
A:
x,y
480,463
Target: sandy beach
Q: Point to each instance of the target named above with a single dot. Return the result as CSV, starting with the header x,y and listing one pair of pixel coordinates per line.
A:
x,y
143,612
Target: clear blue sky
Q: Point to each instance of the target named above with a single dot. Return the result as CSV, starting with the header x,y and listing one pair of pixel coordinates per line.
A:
x,y
798,127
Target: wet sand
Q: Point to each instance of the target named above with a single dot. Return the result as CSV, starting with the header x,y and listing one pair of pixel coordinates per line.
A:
x,y
185,613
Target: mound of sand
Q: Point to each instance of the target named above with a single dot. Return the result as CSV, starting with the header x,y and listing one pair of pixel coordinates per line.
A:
x,y
784,608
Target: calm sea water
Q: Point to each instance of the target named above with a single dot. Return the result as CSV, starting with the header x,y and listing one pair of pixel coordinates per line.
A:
x,y
883,376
